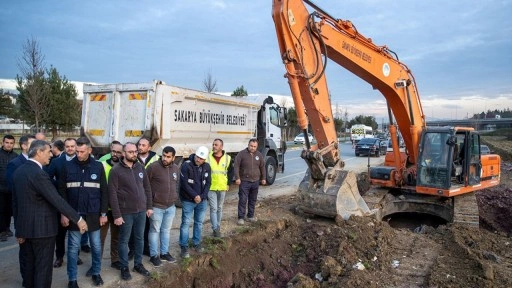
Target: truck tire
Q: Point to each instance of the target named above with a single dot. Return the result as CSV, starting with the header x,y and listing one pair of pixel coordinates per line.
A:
x,y
271,169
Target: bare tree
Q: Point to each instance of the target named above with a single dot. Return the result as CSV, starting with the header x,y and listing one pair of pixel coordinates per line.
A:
x,y
209,84
31,84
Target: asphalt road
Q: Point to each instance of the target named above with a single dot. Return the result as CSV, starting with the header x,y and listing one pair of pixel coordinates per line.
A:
x,y
286,184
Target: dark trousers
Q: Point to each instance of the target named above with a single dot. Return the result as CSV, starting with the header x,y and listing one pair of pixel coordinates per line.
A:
x,y
247,192
135,221
60,240
5,211
114,237
38,253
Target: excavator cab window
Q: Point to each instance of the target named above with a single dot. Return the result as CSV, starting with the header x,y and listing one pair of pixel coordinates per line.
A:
x,y
475,164
434,167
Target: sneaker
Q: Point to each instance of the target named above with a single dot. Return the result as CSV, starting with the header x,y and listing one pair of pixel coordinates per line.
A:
x,y
199,249
241,221
216,233
139,268
184,252
125,273
167,257
89,272
79,261
252,219
117,265
155,260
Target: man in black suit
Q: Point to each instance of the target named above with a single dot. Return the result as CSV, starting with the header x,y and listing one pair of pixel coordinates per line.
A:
x,y
35,205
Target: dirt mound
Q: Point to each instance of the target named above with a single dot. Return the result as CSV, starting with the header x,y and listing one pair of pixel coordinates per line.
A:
x,y
291,250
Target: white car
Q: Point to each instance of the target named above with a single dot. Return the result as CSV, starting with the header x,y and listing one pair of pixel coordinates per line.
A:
x,y
300,138
484,150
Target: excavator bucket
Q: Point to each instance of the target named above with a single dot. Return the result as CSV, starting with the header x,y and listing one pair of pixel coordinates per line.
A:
x,y
337,195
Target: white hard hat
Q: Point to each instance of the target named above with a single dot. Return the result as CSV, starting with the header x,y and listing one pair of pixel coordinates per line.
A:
x,y
202,152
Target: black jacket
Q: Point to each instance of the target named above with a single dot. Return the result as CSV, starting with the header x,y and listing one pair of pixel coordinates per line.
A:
x,y
194,180
5,157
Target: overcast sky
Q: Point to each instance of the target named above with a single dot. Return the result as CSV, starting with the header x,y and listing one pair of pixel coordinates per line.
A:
x,y
460,52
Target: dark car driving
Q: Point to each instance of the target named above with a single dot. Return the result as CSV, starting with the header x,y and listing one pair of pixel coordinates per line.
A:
x,y
370,146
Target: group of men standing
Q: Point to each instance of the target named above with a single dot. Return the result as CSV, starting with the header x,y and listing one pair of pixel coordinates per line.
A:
x,y
131,191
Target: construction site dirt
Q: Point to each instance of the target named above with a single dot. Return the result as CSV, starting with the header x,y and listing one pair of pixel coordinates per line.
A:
x,y
288,249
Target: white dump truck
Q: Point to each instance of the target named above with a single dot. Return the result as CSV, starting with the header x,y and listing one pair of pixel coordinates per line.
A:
x,y
182,118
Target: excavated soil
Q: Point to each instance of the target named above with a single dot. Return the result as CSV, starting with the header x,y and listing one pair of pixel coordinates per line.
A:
x,y
286,249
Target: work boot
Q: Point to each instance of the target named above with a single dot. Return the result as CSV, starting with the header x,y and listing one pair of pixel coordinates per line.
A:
x,y
216,233
88,273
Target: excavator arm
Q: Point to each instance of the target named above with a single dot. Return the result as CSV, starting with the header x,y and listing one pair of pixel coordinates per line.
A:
x,y
306,41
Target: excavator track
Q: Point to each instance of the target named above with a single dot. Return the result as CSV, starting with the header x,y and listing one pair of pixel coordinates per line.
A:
x,y
466,210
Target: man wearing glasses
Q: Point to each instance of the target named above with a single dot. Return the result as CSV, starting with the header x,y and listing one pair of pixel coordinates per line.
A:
x,y
131,201
116,152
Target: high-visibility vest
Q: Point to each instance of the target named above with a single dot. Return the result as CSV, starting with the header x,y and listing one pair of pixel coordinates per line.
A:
x,y
219,172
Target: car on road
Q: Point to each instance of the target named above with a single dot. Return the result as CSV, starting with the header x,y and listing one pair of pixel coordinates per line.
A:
x,y
484,149
370,146
299,139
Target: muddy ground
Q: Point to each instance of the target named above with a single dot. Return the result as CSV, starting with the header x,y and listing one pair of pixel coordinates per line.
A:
x,y
286,249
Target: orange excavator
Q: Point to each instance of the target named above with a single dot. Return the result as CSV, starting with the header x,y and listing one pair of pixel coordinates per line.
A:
x,y
437,166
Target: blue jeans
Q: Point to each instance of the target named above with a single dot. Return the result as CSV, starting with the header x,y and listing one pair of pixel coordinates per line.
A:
x,y
73,248
160,227
84,240
137,221
199,211
216,201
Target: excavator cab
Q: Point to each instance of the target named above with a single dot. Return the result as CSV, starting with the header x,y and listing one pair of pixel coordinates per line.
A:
x,y
449,158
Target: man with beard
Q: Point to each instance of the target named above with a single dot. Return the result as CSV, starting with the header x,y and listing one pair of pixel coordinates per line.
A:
x,y
116,152
131,201
146,157
163,176
84,187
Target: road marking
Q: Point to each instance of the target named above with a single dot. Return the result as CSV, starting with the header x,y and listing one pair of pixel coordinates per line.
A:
x,y
293,159
291,175
9,247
